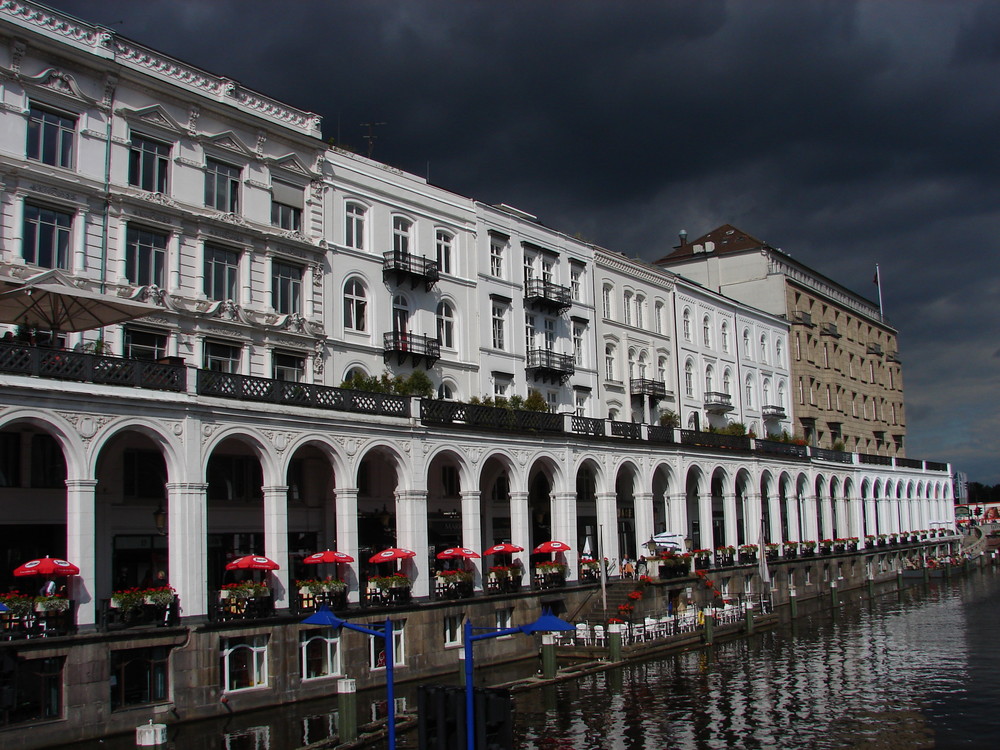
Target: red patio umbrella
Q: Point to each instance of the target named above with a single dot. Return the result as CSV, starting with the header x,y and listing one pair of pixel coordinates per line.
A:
x,y
252,562
47,566
328,556
393,553
552,546
453,552
506,548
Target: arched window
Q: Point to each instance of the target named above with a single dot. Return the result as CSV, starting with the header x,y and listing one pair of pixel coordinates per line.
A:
x,y
446,392
401,235
642,365
709,379
781,395
640,303
689,379
609,361
354,230
749,393
686,324
724,336
355,306
767,392
658,317
727,384
445,325
631,364
746,342
627,307
661,369
606,297
763,348
706,331
778,351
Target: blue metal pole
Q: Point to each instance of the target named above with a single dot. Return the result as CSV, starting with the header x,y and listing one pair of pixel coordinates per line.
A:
x,y
390,682
470,691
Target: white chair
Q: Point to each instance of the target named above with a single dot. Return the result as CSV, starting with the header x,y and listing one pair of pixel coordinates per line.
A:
x,y
652,628
599,637
582,634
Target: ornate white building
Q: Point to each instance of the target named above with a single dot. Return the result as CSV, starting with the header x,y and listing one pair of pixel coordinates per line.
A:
x,y
279,268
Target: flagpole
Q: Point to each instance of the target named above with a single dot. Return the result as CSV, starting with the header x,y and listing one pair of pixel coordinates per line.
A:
x,y
878,283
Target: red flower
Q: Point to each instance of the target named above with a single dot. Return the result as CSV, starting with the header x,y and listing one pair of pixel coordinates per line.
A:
x,y
635,595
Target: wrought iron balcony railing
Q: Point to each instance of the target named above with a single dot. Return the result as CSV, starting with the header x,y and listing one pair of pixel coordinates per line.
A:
x,y
410,345
415,268
645,387
547,294
772,411
718,403
548,365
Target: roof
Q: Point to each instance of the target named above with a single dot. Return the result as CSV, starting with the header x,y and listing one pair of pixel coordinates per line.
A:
x,y
724,239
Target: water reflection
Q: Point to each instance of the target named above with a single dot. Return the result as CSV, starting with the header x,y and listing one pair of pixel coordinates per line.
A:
x,y
917,670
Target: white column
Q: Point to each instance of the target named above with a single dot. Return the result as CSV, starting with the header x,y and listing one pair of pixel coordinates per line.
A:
x,y
187,529
705,520
677,520
729,519
826,512
563,514
774,513
792,509
472,533
520,528
643,503
276,541
753,514
80,547
871,516
346,509
411,530
607,525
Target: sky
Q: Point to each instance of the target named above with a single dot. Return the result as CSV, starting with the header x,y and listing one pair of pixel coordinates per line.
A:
x,y
845,133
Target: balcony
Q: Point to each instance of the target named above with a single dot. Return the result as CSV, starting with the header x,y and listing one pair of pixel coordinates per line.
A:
x,y
410,346
802,318
874,349
644,387
60,364
774,412
718,403
547,295
829,329
548,366
892,357
415,269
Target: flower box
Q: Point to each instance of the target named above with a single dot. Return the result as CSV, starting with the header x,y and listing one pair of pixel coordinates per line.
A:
x,y
51,604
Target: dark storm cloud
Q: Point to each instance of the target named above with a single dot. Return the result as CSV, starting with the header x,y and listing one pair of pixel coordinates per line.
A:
x,y
846,133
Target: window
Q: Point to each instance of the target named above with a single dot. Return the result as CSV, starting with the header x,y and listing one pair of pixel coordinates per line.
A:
x,y
319,653
50,136
686,325
578,332
724,337
354,229
287,202
727,385
658,317
222,186
529,267
138,676
504,618
501,387
746,342
778,352
547,268
148,161
452,630
10,459
445,325
549,334
355,306
763,349
631,364
496,257
244,662
46,236
575,283
142,344
286,288
661,369
689,379
749,392
401,236
627,307
376,653
706,331
444,252
580,403
640,303
446,391
552,399
287,366
222,267
35,690
400,314
529,332
709,379
145,256
606,299
222,357
498,327
609,362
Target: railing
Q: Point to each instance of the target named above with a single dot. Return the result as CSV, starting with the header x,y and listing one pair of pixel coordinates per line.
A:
x,y
773,412
829,329
935,466
411,343
715,440
646,387
38,622
828,455
870,458
229,607
488,417
777,448
547,292
412,265
909,463
140,615
249,388
587,426
658,434
630,430
874,349
59,364
716,402
543,359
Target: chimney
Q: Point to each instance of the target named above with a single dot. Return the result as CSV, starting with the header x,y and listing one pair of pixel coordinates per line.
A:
x,y
684,237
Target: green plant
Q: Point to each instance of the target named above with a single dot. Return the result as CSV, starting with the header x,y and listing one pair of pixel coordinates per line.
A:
x,y
550,566
838,445
160,597
246,589
535,401
669,418
393,581
734,428
455,576
128,600
51,603
315,586
17,603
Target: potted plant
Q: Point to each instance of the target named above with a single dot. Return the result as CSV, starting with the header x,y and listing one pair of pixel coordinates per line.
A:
x,y
128,601
748,554
771,550
724,554
18,604
808,548
162,596
791,549
674,564
590,569
701,558
244,590
51,604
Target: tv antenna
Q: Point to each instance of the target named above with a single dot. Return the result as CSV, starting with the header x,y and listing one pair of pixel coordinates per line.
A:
x,y
371,137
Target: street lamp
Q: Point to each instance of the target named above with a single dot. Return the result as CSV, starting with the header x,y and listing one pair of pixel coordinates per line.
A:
x,y
323,616
547,623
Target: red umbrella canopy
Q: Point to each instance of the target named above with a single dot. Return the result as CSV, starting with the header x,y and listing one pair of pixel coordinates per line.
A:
x,y
328,556
552,546
252,562
453,552
503,549
47,566
393,553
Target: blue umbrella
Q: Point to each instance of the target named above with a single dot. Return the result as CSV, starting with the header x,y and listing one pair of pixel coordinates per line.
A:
x,y
3,607
323,616
547,623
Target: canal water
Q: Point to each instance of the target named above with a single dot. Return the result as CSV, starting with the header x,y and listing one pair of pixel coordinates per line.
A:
x,y
918,668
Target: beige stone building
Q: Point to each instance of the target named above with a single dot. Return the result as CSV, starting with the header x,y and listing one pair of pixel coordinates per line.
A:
x,y
846,373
